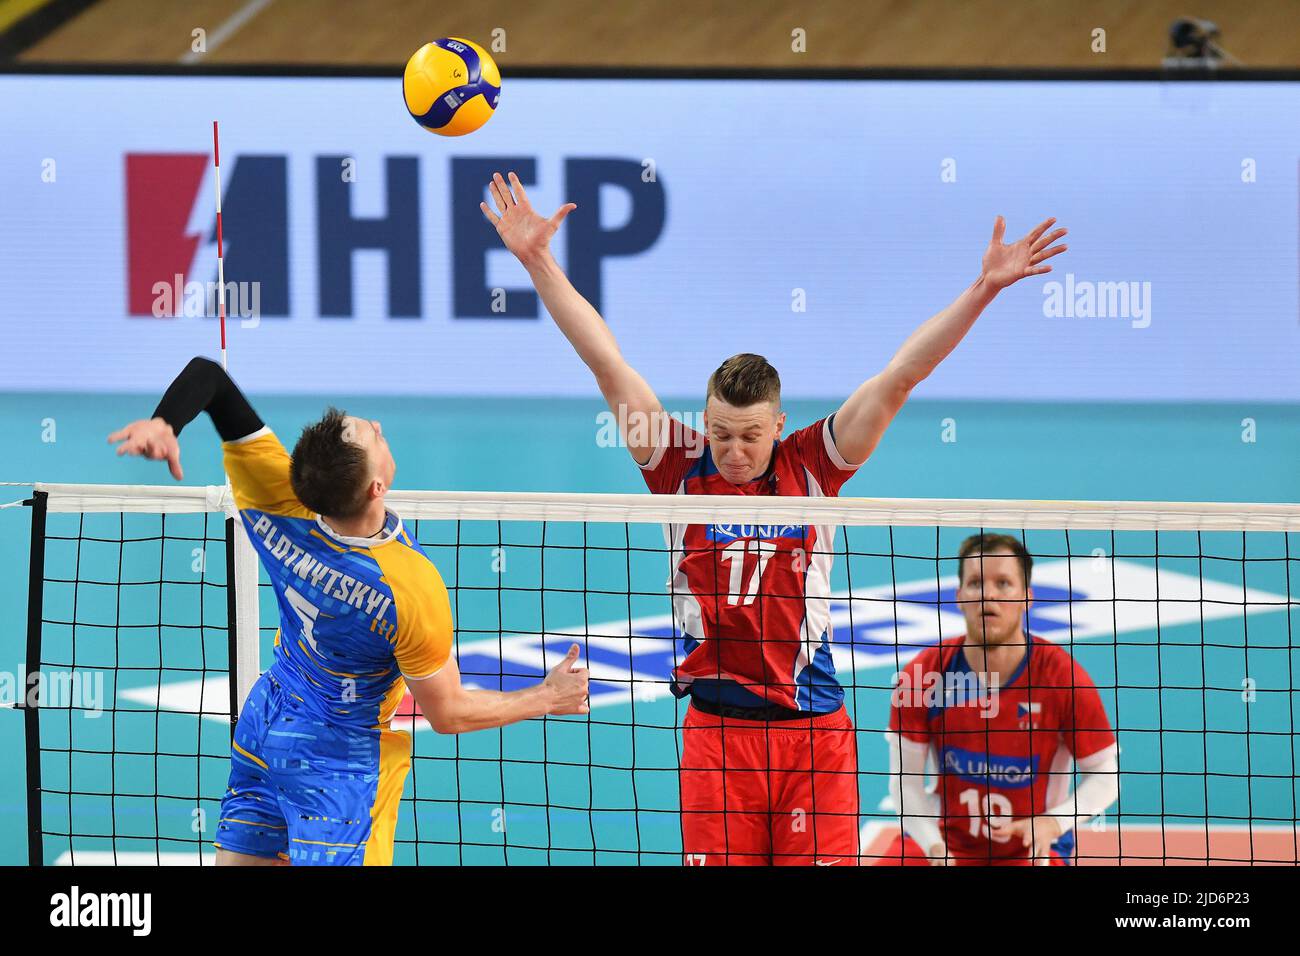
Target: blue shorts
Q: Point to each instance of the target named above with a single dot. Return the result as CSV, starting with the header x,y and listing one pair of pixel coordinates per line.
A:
x,y
307,790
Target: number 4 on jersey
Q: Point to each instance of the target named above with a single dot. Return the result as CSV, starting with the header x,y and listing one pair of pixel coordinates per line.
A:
x,y
307,613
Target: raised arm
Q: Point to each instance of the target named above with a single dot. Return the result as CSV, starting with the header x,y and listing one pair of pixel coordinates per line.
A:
x,y
528,236
202,386
864,416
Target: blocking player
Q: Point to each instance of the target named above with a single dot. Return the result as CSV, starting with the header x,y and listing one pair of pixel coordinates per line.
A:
x,y
769,766
1003,715
316,769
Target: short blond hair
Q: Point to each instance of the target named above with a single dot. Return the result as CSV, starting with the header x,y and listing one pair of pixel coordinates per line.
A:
x,y
745,379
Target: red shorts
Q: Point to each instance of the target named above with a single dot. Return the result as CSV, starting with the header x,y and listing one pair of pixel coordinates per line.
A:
x,y
756,793
905,851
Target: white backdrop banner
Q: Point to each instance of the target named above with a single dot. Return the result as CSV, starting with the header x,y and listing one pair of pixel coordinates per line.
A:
x,y
817,222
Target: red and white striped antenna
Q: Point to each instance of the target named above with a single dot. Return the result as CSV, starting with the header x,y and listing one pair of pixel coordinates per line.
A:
x,y
221,268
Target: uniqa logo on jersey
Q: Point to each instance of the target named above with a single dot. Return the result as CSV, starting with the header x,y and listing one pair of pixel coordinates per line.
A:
x,y
760,532
1009,772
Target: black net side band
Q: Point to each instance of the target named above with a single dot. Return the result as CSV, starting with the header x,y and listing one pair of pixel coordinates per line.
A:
x,y
30,701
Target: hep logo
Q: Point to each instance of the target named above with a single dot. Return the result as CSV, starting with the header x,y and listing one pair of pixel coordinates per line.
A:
x,y
171,223
171,220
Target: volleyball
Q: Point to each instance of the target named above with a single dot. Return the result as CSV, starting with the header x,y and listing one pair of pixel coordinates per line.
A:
x,y
451,86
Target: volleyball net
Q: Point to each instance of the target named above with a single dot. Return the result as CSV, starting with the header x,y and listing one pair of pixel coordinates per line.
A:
x,y
149,620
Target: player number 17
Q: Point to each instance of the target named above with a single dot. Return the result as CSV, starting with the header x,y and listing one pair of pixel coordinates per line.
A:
x,y
735,554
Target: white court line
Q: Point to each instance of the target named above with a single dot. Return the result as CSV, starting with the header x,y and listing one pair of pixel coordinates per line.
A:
x,y
873,829
134,858
228,29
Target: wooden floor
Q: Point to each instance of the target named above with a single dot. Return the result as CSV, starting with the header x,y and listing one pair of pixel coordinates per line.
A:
x,y
674,33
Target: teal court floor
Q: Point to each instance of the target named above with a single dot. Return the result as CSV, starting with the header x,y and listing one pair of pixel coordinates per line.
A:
x,y
1200,684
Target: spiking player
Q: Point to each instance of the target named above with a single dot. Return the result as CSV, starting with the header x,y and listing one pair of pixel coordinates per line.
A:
x,y
769,762
316,769
1002,743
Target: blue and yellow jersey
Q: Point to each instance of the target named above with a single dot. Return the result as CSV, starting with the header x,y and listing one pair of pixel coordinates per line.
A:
x,y
357,615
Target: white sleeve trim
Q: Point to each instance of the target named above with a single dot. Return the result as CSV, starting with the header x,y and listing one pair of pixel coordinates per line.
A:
x,y
832,451
1097,789
661,445
1098,761
918,809
264,430
425,676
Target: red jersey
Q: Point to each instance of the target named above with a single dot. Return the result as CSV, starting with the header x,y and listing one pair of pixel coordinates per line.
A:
x,y
1006,752
752,602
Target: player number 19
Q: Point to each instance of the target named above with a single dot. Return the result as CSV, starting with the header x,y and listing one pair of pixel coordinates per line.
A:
x,y
980,810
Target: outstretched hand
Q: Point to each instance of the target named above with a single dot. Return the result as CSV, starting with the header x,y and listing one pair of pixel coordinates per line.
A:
x,y
150,438
524,232
567,684
1007,263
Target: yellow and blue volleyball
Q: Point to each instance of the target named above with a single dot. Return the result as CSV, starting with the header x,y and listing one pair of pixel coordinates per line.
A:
x,y
451,86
